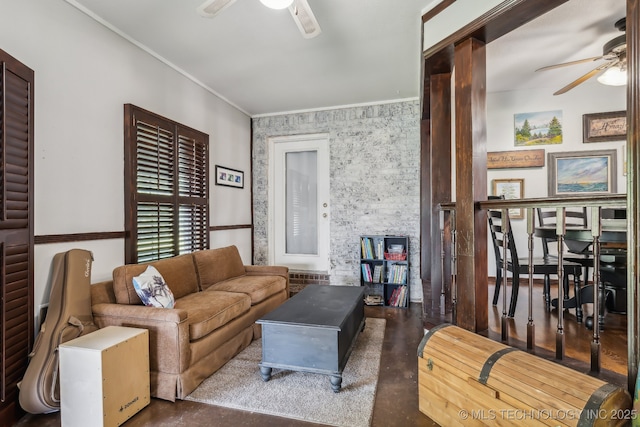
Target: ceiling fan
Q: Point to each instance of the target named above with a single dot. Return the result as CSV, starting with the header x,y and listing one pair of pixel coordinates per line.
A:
x,y
614,52
300,11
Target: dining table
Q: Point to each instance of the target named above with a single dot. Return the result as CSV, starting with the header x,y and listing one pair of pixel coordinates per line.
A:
x,y
579,241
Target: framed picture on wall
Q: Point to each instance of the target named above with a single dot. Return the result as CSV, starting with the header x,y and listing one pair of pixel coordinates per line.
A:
x,y
542,127
229,177
510,189
582,173
601,127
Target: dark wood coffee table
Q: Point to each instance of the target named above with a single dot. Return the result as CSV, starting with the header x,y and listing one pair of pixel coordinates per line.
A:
x,y
314,331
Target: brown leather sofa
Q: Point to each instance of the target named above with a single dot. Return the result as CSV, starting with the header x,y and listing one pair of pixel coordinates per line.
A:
x,y
217,301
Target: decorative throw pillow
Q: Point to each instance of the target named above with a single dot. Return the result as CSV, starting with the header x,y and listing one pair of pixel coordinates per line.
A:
x,y
152,289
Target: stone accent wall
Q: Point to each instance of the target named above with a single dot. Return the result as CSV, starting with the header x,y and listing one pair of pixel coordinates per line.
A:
x,y
375,180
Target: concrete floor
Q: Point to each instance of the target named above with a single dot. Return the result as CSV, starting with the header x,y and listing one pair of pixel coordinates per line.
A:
x,y
396,397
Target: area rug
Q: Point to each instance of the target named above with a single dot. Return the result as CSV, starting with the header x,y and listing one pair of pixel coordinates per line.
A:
x,y
301,395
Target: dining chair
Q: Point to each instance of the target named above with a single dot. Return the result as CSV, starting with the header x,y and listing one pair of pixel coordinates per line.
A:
x,y
613,268
578,252
545,266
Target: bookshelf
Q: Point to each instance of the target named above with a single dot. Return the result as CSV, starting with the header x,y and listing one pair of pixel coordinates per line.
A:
x,y
384,270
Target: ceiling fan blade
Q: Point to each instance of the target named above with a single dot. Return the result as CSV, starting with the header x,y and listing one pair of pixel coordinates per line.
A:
x,y
565,64
586,77
211,8
305,19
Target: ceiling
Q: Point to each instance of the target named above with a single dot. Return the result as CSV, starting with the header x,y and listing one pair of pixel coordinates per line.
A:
x,y
576,30
369,50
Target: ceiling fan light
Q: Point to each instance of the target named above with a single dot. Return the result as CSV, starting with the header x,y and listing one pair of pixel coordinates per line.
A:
x,y
277,4
614,76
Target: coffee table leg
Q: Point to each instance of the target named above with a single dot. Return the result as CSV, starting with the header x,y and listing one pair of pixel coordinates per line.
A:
x,y
266,373
336,383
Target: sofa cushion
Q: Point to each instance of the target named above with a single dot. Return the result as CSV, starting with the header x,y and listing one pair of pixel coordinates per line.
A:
x,y
207,311
217,265
259,288
152,289
179,273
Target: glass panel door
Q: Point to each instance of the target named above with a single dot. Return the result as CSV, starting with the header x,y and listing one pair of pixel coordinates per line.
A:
x,y
299,202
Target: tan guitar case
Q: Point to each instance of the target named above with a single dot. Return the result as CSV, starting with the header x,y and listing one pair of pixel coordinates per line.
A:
x,y
68,316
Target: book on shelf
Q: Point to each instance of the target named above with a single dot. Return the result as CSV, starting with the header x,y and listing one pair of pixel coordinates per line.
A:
x,y
380,249
367,248
373,300
363,245
366,272
397,274
392,298
403,296
398,297
372,249
377,273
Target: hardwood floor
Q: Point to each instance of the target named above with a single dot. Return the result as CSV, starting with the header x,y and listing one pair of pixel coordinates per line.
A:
x,y
396,401
578,338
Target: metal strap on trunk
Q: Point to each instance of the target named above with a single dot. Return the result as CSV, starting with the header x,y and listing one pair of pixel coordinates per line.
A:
x,y
591,410
491,360
428,335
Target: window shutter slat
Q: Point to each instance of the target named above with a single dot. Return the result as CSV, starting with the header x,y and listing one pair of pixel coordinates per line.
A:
x,y
193,231
15,260
192,167
155,158
155,231
14,170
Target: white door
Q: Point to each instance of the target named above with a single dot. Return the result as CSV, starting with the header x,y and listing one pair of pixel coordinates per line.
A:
x,y
299,202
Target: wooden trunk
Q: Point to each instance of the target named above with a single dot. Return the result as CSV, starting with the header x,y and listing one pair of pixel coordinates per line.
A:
x,y
467,379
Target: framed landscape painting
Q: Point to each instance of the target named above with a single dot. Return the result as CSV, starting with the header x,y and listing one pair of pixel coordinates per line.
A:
x,y
582,173
543,127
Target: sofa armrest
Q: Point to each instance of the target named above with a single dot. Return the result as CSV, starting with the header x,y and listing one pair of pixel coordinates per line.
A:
x,y
269,270
169,349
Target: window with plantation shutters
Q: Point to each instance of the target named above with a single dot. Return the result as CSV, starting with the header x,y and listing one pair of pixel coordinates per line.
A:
x,y
166,180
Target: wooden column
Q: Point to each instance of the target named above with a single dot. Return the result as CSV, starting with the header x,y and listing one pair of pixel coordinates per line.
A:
x,y
471,184
440,186
425,196
633,189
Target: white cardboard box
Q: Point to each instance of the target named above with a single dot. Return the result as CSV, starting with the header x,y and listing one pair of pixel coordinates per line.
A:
x,y
104,377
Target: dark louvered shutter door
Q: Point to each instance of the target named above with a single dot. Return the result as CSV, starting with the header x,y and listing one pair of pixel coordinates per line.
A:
x,y
16,230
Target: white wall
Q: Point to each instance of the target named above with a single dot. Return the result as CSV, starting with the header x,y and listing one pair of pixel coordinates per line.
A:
x,y
590,97
452,18
84,73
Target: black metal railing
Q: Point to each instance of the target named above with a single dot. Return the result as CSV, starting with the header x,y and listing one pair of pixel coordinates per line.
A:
x,y
614,231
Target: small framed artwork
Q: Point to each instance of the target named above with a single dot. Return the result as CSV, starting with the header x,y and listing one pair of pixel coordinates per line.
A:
x,y
510,189
582,173
229,177
602,127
